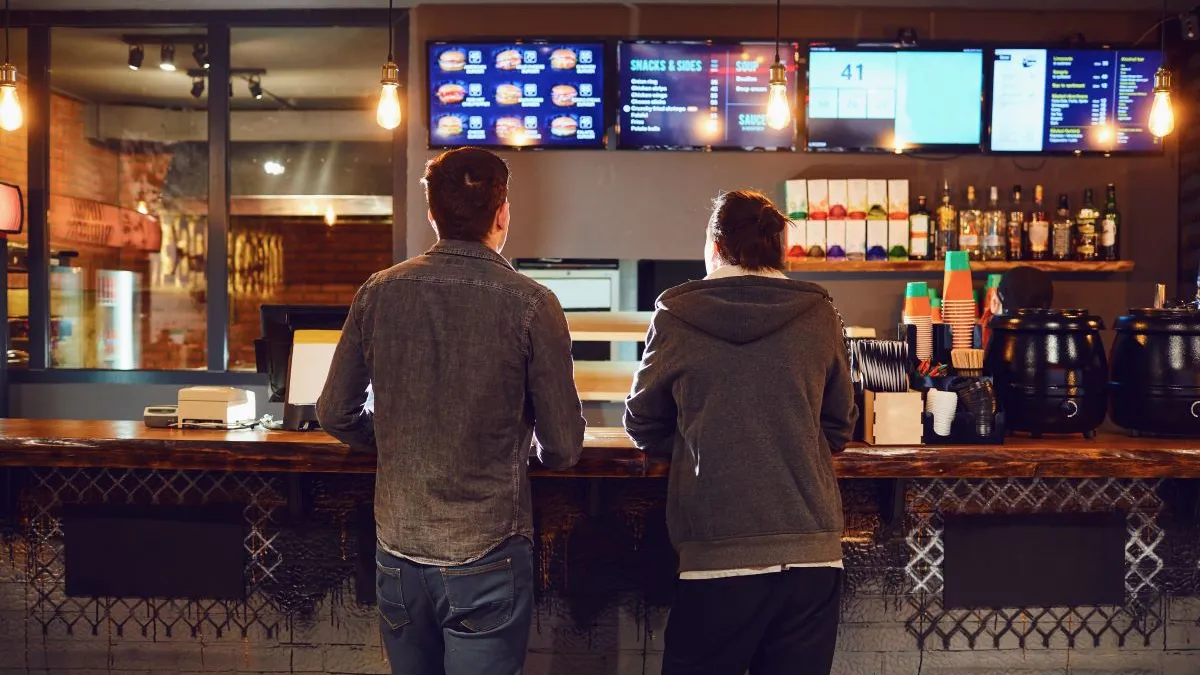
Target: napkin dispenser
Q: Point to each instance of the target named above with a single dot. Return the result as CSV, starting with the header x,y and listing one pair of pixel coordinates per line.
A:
x,y
227,406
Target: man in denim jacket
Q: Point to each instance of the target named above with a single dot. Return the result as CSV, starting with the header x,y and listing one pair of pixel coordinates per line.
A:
x,y
466,357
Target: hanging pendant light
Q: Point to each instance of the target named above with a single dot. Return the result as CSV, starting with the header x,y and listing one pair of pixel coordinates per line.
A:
x,y
1162,113
779,108
11,115
387,113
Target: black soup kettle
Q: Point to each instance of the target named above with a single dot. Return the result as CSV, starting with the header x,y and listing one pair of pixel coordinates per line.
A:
x,y
1156,371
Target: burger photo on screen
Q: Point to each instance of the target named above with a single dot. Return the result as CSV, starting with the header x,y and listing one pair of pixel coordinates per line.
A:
x,y
452,60
563,95
562,59
449,126
508,128
508,94
451,93
509,59
563,126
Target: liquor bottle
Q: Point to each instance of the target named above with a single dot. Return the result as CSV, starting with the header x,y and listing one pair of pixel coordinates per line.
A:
x,y
947,224
993,228
1016,227
1039,227
1062,230
920,241
1109,227
1085,229
970,227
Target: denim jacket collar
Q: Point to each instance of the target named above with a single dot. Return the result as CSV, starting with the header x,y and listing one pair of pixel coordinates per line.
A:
x,y
470,249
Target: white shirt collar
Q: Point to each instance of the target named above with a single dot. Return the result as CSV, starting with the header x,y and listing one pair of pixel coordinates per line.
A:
x,y
727,271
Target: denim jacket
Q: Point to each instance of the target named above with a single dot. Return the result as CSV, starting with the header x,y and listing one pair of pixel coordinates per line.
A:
x,y
465,357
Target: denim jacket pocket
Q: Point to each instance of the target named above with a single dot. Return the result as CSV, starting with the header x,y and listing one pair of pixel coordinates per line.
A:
x,y
480,598
390,596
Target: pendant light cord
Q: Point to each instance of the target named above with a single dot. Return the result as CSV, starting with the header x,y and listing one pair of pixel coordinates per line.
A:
x,y
778,14
391,31
1162,37
7,25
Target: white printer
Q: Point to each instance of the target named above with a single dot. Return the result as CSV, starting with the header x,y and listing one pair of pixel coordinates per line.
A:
x,y
226,406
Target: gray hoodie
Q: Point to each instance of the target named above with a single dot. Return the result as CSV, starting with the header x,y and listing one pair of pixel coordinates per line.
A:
x,y
746,382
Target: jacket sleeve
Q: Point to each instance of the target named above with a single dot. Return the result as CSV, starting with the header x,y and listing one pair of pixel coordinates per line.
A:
x,y
341,408
557,414
650,410
838,410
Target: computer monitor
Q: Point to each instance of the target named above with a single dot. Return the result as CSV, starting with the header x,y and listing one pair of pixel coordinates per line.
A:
x,y
279,322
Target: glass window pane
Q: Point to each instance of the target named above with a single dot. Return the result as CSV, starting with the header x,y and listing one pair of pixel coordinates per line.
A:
x,y
14,168
310,170
128,198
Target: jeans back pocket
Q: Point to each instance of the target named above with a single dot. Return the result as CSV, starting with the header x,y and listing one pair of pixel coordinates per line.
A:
x,y
390,596
481,598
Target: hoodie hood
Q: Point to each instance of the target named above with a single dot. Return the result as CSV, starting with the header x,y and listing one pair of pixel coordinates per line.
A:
x,y
741,309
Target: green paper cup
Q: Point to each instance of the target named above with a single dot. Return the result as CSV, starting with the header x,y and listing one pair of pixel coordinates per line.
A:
x,y
993,281
934,294
916,289
958,261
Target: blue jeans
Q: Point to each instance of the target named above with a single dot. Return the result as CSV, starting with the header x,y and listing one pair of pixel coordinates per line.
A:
x,y
471,619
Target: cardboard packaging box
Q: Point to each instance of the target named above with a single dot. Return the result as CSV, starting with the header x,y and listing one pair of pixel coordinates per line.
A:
x,y
835,239
893,418
795,197
856,199
856,240
818,199
797,239
838,198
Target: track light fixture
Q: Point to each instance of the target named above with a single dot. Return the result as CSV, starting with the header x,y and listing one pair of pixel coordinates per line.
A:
x,y
137,54
197,87
200,53
167,60
256,90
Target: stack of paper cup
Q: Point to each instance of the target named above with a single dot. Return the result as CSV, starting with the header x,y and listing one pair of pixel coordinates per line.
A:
x,y
935,304
917,312
958,305
942,405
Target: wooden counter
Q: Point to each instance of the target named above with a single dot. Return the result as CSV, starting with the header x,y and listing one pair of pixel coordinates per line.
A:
x,y
607,453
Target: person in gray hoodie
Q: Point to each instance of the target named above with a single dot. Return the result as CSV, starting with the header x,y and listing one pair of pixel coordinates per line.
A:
x,y
745,381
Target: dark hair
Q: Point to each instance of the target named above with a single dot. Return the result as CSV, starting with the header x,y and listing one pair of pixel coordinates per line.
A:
x,y
748,230
1025,288
465,188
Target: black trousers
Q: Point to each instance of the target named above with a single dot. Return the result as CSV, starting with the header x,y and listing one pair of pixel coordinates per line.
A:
x,y
768,624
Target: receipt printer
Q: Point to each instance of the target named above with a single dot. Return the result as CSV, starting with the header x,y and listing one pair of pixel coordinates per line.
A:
x,y
226,406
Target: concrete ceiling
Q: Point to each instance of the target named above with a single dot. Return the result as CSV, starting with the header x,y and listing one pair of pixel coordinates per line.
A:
x,y
161,5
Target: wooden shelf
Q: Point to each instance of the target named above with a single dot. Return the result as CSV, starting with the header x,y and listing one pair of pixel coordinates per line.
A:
x,y
908,266
609,326
604,380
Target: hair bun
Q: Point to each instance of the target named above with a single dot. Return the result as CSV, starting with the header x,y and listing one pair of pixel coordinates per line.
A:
x,y
771,221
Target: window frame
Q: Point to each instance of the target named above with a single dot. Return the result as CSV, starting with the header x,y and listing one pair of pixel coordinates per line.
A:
x,y
218,25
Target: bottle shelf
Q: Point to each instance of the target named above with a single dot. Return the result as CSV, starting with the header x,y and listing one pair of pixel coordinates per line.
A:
x,y
604,380
906,266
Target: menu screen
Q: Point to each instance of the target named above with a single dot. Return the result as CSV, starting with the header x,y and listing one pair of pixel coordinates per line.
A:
x,y
701,95
1073,100
516,95
887,98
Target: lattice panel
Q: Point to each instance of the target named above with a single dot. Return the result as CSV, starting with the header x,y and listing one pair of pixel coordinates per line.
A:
x,y
1139,618
49,606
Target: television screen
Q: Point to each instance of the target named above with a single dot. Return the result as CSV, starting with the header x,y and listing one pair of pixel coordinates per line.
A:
x,y
1073,100
685,95
514,94
890,97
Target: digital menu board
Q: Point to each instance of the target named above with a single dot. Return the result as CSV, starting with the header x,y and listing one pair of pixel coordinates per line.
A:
x,y
680,95
889,98
1073,100
538,94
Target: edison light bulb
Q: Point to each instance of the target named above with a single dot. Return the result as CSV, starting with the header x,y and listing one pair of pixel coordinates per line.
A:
x,y
1162,117
11,117
779,108
388,112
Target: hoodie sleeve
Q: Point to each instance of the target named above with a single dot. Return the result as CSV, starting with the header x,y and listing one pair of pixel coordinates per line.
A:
x,y
650,412
838,410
